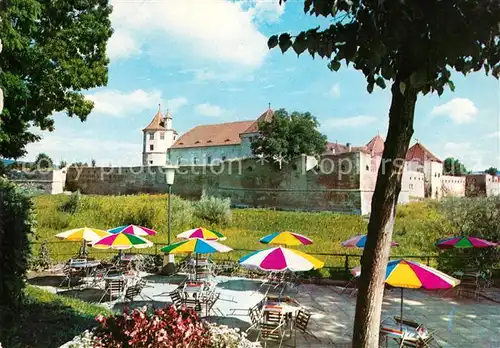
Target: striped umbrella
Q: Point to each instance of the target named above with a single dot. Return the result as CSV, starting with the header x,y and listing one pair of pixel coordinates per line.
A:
x,y
133,229
286,238
201,233
281,259
122,241
464,242
413,275
359,242
83,234
196,246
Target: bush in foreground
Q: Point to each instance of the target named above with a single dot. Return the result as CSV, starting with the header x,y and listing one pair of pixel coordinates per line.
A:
x,y
16,226
165,328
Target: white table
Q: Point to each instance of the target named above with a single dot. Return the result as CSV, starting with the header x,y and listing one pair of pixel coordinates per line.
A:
x,y
402,332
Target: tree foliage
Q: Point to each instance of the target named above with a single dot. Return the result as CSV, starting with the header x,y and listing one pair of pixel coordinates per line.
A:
x,y
417,41
414,45
287,136
453,166
43,161
491,171
52,51
477,217
16,226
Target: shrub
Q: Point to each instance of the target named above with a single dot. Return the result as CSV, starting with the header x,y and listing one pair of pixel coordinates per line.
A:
x,y
16,226
182,212
226,337
73,203
152,263
166,327
477,217
214,210
43,260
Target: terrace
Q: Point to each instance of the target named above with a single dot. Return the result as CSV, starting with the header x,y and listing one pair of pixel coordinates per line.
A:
x,y
456,322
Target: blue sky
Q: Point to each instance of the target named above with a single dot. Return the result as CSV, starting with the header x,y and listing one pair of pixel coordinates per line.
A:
x,y
208,62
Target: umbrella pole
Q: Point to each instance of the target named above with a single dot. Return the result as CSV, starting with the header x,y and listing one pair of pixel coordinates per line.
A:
x,y
84,247
401,322
196,267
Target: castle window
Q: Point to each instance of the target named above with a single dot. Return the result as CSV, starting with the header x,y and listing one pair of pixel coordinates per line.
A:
x,y
195,160
367,167
151,147
151,136
223,158
162,136
411,186
209,159
179,159
175,136
150,162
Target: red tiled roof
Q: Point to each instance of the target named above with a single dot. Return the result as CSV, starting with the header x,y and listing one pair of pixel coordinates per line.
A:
x,y
376,145
213,135
267,116
419,153
335,148
157,123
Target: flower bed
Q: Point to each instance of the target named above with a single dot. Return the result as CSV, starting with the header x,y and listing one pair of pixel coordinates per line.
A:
x,y
166,328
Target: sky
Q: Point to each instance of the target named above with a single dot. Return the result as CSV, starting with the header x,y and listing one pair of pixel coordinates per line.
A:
x,y
207,61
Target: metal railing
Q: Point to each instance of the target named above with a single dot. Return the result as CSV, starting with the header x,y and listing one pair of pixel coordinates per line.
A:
x,y
333,261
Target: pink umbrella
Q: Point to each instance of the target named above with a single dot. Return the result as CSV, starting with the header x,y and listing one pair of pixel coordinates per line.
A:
x,y
359,242
464,242
134,230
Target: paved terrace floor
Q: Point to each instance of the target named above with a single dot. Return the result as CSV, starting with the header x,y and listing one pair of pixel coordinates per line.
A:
x,y
457,322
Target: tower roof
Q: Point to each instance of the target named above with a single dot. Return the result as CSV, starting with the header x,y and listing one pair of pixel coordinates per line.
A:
x,y
419,153
376,145
157,123
267,116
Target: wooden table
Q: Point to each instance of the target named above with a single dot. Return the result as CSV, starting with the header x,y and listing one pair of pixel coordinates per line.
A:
x,y
403,333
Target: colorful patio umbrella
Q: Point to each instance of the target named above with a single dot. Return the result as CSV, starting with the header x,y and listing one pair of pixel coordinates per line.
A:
x,y
359,242
196,246
286,238
83,234
410,274
464,242
202,233
121,241
281,259
133,229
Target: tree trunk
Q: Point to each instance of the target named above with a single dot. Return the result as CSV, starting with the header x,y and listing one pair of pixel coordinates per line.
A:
x,y
378,243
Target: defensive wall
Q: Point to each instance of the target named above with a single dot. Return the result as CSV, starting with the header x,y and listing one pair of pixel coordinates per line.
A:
x,y
331,184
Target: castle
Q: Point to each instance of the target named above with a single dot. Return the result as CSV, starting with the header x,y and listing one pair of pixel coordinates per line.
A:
x,y
215,143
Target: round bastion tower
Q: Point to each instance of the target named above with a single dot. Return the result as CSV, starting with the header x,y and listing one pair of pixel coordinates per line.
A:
x,y
158,137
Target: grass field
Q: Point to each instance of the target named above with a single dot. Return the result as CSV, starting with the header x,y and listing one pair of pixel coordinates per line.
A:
x,y
418,225
49,320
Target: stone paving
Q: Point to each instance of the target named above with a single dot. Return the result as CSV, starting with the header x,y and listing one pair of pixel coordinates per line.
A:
x,y
457,322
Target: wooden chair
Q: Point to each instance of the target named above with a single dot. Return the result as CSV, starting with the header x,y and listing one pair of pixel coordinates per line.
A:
x,y
176,299
70,273
300,324
114,288
193,304
272,328
135,290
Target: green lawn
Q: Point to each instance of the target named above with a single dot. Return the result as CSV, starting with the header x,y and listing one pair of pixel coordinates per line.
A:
x,y
418,225
46,320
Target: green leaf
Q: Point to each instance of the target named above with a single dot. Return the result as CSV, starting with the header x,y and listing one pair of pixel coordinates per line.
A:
x,y
380,82
334,65
451,85
285,42
402,87
418,79
300,44
272,42
369,88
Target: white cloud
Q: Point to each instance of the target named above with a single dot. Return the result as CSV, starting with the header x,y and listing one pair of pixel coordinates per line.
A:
x,y
468,153
73,147
493,135
335,90
267,86
355,121
122,45
217,30
209,110
459,110
175,104
267,10
118,104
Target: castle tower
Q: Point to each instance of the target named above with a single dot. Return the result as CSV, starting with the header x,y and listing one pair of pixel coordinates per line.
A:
x,y
158,137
